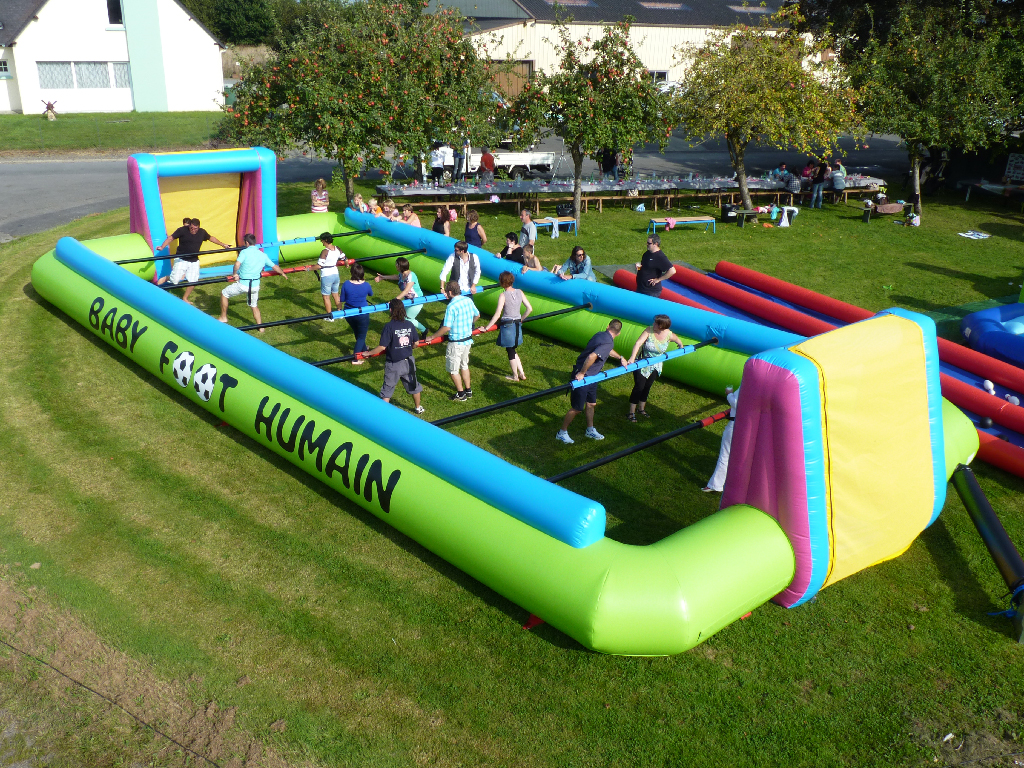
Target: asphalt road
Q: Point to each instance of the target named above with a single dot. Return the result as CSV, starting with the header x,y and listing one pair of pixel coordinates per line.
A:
x,y
42,194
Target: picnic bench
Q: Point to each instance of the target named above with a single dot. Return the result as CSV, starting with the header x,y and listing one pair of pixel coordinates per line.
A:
x,y
707,221
572,224
743,214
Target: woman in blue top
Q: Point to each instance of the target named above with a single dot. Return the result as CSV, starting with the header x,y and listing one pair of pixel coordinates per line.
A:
x,y
475,234
408,288
355,293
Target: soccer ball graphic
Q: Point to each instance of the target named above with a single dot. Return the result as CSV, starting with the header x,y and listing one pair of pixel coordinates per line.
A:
x,y
205,380
182,368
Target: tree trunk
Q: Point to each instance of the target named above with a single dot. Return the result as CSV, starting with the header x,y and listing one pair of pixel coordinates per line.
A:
x,y
915,177
350,188
577,185
737,153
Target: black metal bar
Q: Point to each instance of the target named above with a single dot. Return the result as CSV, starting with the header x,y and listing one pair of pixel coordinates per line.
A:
x,y
289,321
227,278
496,406
1001,548
385,256
638,447
273,244
347,358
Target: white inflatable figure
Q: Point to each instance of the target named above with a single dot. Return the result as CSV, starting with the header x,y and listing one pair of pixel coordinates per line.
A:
x,y
717,481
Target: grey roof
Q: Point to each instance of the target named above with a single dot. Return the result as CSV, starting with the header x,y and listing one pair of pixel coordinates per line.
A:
x,y
15,15
673,13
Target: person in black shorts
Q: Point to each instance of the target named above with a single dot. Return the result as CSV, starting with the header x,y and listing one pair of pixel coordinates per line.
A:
x,y
190,239
653,268
397,340
590,362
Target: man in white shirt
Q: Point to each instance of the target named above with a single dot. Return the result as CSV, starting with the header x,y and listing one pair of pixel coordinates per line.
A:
x,y
464,268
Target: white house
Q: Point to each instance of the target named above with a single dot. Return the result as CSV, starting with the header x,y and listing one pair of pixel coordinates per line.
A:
x,y
522,27
107,56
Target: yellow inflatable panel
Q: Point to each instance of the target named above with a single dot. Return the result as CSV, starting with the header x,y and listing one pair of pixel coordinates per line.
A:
x,y
211,198
877,439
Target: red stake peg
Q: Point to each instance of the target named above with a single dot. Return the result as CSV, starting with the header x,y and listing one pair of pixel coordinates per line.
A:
x,y
746,615
532,622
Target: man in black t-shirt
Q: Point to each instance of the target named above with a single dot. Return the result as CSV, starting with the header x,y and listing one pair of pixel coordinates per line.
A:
x,y
397,340
190,239
653,268
511,251
590,362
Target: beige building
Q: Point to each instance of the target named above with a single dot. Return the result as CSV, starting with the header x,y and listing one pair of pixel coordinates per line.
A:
x,y
523,28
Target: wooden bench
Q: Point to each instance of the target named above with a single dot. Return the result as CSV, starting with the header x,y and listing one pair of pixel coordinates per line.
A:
x,y
742,215
707,221
572,225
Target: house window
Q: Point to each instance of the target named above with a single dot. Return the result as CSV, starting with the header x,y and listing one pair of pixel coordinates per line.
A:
x,y
122,79
55,75
659,75
92,74
752,9
115,15
661,6
3,67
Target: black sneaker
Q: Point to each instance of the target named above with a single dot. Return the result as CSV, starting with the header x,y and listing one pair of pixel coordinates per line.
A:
x,y
468,393
458,397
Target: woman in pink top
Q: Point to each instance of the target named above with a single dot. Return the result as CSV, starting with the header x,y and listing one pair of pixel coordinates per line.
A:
x,y
320,197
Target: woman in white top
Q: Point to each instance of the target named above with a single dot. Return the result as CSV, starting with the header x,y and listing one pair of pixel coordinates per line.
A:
x,y
330,280
320,196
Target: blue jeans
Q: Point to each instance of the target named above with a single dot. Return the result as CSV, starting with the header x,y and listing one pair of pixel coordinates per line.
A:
x,y
360,325
817,191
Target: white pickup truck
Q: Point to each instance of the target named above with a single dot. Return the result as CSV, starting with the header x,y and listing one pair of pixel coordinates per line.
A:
x,y
517,164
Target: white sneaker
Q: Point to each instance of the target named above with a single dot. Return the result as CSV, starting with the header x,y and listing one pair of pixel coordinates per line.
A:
x,y
593,434
563,436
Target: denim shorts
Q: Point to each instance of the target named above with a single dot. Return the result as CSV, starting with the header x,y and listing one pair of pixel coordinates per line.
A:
x,y
330,284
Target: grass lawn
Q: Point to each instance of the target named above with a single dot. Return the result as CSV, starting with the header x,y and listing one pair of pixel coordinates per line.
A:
x,y
108,130
219,593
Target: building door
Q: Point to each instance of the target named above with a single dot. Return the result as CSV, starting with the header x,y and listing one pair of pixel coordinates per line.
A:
x,y
511,84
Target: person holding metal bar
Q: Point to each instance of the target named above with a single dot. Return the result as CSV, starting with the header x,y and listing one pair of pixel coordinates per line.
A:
x,y
330,280
717,482
190,240
246,275
590,362
458,325
464,268
397,340
653,341
409,288
357,293
510,329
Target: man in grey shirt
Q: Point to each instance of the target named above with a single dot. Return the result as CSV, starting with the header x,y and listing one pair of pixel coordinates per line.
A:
x,y
528,232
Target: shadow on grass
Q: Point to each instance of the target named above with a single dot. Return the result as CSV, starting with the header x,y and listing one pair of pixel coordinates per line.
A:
x,y
469,584
993,287
971,600
1013,231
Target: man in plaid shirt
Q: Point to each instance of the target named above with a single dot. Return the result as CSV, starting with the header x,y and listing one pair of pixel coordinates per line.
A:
x,y
458,324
